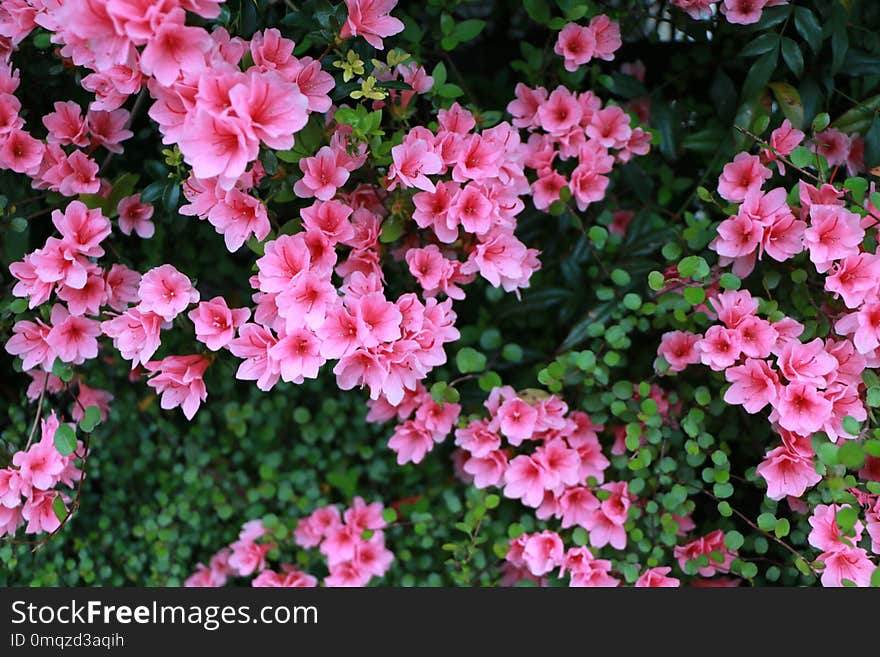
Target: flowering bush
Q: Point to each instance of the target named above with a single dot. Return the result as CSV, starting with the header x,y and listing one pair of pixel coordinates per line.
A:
x,y
540,293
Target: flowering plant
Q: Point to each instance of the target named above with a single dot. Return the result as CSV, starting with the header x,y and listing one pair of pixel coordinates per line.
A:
x,y
328,241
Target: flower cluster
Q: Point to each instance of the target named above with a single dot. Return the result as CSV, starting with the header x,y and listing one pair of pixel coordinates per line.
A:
x,y
352,542
27,487
477,203
584,136
739,12
810,385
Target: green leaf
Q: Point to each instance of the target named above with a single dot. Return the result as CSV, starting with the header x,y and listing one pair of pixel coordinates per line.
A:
x,y
872,144
767,522
759,75
65,440
656,280
793,57
801,157
59,508
62,370
468,29
694,295
439,75
782,528
450,90
91,419
808,27
851,425
789,102
859,118
851,454
538,10
733,540
730,281
760,45
820,122
389,515
858,187
839,38
470,360
392,229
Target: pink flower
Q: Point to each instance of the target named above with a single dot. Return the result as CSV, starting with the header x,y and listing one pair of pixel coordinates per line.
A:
x,y
587,571
73,339
371,19
372,557
864,326
217,145
179,380
542,552
607,35
605,524
486,470
254,344
20,152
576,44
743,175
346,574
743,12
826,534
29,341
847,563
789,469
87,397
560,112
66,125
88,299
679,349
135,334
720,348
411,442
783,141
108,129
808,363
833,145
754,385
39,511
696,9
576,504
377,320
329,218
712,542
135,216
290,578
517,420
364,516
238,216
248,557
525,108
524,479
273,109
322,175
657,578
610,127
855,278
413,161
40,466
215,322
297,354
82,229
802,409
166,292
173,48
834,234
